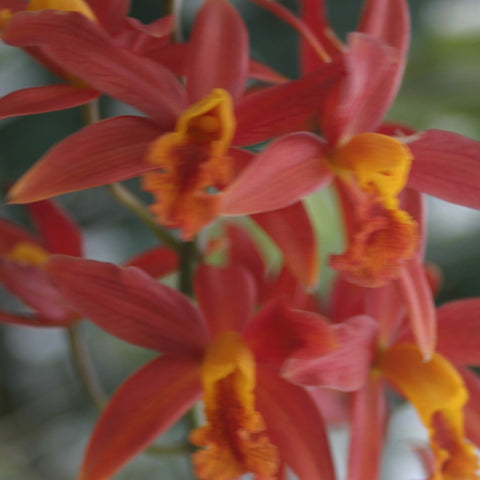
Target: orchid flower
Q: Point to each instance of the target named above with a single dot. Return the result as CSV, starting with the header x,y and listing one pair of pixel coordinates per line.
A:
x,y
23,257
22,260
437,388
217,351
109,17
370,167
183,151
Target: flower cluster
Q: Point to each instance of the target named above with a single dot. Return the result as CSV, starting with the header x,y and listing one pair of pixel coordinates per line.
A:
x,y
219,135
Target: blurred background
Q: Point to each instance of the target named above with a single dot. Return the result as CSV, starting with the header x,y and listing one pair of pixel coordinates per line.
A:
x,y
45,415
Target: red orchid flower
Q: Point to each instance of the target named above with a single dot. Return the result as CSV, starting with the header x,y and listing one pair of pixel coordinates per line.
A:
x,y
256,421
109,17
437,388
22,260
23,257
183,149
370,165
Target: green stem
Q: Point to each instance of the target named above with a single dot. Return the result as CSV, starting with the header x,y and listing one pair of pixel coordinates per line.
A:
x,y
179,449
188,256
129,200
90,112
85,367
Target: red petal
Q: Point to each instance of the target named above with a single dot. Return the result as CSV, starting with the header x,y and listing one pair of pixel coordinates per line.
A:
x,y
226,297
130,305
145,406
243,251
291,230
287,287
102,153
84,49
218,56
286,171
314,15
345,367
110,13
365,95
389,21
295,426
418,299
157,261
277,333
11,234
458,325
368,429
285,108
44,99
58,231
32,286
447,166
261,72
346,300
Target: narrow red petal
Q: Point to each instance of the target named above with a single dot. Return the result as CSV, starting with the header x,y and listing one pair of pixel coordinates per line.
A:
x,y
458,325
266,184
156,261
44,99
130,305
145,406
102,153
58,231
81,47
295,426
368,429
284,108
346,300
446,165
243,251
218,56
291,230
34,320
226,297
360,101
347,366
32,286
314,14
261,72
418,298
389,21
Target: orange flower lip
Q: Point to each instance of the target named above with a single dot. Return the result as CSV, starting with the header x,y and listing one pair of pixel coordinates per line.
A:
x,y
438,393
191,161
374,169
235,435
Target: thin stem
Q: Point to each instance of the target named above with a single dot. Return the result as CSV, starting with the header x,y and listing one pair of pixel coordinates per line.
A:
x,y
179,449
188,256
91,112
85,367
129,200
